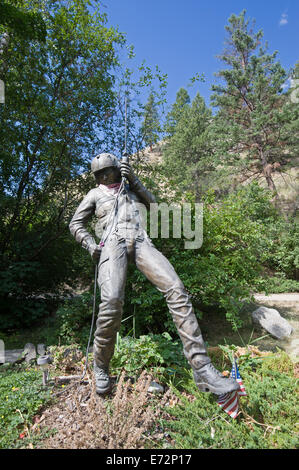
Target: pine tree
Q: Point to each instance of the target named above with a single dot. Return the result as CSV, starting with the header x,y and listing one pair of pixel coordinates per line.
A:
x,y
182,102
294,84
254,128
188,150
150,127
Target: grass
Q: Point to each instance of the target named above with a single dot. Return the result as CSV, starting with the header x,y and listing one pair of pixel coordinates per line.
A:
x,y
267,418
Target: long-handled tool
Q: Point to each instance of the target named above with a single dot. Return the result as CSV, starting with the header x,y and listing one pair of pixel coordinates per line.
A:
x,y
125,159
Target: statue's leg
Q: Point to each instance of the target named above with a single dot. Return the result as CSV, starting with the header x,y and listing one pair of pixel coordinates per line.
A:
x,y
111,281
161,273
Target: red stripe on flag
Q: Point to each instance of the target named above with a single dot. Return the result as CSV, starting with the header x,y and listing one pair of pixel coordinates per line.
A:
x,y
232,398
230,404
234,410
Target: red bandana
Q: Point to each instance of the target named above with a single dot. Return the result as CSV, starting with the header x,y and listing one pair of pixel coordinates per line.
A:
x,y
114,185
113,188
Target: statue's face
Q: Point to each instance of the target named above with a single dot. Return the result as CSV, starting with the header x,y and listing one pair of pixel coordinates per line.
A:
x,y
108,175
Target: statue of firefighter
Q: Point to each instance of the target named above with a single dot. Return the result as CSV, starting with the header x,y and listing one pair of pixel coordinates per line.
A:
x,y
126,241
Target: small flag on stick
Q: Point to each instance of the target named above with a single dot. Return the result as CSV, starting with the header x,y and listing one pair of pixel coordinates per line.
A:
x,y
229,402
235,374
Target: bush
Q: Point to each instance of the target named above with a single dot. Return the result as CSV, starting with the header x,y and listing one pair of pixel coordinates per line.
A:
x,y
243,234
220,274
238,244
283,251
25,276
74,318
277,284
157,352
122,420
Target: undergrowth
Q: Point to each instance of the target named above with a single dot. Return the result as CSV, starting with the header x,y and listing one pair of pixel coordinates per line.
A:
x,y
267,416
131,417
84,420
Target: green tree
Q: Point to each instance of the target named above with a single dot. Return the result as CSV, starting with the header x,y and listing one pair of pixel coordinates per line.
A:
x,y
187,155
254,130
293,92
131,86
18,21
150,127
182,102
54,119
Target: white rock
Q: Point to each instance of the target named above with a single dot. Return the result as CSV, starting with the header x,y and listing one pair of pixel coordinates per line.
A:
x,y
29,352
155,388
271,320
41,349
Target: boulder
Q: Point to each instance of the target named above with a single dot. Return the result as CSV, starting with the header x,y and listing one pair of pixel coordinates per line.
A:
x,y
13,355
41,349
155,388
270,320
29,352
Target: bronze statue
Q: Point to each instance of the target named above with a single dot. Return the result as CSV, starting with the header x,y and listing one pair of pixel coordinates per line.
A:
x,y
126,241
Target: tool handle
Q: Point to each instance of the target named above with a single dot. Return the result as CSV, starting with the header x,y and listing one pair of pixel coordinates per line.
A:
x,y
124,159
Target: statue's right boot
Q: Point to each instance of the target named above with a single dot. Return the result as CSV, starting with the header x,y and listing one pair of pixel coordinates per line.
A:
x,y
102,379
209,379
206,376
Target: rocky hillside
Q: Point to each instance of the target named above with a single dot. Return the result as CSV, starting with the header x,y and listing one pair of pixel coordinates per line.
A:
x,y
286,180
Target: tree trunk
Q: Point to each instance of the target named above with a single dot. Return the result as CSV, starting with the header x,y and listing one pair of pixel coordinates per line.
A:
x,y
267,172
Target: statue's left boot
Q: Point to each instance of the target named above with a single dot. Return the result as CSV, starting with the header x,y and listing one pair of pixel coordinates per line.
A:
x,y
102,380
209,379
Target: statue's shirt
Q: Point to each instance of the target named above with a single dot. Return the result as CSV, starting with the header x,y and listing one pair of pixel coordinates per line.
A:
x,y
101,202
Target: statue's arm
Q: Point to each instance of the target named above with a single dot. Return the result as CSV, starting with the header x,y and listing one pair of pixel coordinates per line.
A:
x,y
78,223
144,194
135,184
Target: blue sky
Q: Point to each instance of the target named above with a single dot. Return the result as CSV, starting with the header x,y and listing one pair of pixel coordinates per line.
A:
x,y
184,37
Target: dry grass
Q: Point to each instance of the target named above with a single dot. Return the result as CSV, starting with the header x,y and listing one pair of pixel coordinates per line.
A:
x,y
84,420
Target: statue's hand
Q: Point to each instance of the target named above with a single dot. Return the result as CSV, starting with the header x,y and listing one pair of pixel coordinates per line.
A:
x,y
95,251
126,171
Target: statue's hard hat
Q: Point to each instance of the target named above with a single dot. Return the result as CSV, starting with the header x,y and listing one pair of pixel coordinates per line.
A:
x,y
103,160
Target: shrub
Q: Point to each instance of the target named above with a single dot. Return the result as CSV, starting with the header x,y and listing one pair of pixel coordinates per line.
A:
x,y
90,422
27,273
243,234
222,272
283,252
74,318
156,352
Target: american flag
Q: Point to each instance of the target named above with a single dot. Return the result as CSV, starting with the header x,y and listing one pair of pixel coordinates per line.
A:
x,y
229,402
235,374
